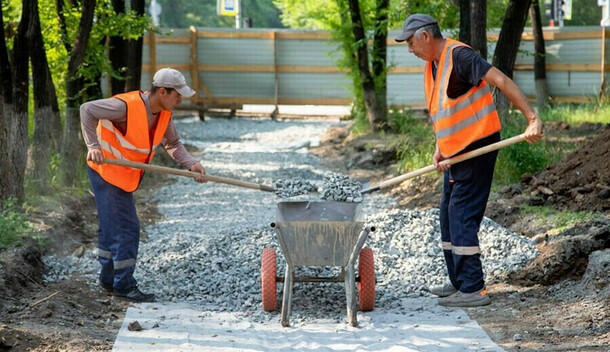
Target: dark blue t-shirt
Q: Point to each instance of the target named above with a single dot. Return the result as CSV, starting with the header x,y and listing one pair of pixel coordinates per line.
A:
x,y
468,70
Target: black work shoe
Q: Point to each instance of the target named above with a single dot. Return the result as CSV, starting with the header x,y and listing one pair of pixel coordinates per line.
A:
x,y
135,295
106,287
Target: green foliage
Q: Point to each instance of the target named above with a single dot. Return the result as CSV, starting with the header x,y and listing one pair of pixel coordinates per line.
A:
x,y
106,23
311,14
13,224
11,11
202,13
519,158
496,10
445,12
415,144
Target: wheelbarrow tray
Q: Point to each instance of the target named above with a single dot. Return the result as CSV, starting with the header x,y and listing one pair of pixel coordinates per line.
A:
x,y
323,233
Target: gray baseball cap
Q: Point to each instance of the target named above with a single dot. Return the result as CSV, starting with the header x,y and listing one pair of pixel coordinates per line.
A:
x,y
170,78
412,24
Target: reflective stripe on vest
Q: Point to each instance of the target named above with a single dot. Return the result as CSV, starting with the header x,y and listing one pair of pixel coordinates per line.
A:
x,y
134,145
463,120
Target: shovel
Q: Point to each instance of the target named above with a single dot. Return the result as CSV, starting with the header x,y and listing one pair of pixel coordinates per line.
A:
x,y
471,154
185,173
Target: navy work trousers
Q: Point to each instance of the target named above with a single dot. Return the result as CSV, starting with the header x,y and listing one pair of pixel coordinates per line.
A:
x,y
466,189
118,234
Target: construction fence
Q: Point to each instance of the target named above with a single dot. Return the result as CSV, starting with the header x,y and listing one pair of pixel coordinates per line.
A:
x,y
233,67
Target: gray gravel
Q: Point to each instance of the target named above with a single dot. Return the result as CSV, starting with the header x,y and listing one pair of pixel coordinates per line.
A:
x,y
207,248
341,188
293,187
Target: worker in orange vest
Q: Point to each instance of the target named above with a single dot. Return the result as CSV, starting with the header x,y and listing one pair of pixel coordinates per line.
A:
x,y
129,126
460,104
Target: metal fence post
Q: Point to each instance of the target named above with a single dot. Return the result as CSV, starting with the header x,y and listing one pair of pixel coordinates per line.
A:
x,y
152,46
276,77
194,65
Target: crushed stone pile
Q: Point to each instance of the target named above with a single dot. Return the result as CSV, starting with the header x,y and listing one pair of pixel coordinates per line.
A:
x,y
293,187
224,273
206,249
341,188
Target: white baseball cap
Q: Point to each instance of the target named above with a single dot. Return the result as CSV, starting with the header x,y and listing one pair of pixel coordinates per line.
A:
x,y
170,78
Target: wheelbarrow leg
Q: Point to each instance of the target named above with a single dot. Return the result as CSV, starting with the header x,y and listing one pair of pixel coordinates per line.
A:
x,y
287,299
350,295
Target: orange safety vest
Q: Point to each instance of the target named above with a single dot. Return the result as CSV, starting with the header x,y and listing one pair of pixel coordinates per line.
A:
x,y
135,145
463,120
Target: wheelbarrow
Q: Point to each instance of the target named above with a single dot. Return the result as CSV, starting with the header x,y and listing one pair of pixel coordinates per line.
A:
x,y
320,234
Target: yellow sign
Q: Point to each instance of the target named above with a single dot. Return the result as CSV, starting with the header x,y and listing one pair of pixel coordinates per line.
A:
x,y
227,7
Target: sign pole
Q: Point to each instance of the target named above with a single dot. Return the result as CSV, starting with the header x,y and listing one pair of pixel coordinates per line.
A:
x,y
237,14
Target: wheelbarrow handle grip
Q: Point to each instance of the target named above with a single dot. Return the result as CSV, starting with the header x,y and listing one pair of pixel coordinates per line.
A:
x,y
186,173
471,154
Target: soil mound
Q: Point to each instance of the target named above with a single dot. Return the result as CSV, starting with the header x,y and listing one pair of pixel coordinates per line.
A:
x,y
565,257
20,267
579,182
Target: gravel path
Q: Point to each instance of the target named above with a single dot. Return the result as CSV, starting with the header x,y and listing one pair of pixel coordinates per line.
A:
x,y
207,248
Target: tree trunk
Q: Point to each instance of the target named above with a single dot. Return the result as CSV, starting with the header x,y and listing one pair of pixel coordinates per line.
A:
x,y
478,27
542,87
508,46
19,117
7,186
379,58
118,54
373,110
46,109
72,146
464,35
134,48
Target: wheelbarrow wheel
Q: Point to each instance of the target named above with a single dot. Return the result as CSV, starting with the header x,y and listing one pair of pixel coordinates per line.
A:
x,y
366,286
269,280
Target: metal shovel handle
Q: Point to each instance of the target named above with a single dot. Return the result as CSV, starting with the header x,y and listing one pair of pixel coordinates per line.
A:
x,y
471,154
186,173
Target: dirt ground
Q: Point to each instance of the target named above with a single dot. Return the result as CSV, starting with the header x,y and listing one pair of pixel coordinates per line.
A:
x,y
547,306
73,315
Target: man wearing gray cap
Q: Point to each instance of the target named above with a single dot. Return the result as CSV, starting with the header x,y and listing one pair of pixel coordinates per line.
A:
x,y
129,126
456,84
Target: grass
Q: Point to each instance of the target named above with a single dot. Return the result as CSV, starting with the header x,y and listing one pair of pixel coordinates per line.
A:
x,y
598,112
558,220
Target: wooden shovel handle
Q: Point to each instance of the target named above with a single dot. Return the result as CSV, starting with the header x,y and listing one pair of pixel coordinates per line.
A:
x,y
186,173
455,160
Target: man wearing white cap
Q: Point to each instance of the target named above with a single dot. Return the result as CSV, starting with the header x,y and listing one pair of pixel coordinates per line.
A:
x,y
129,126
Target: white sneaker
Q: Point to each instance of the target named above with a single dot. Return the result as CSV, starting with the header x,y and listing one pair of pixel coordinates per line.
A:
x,y
442,290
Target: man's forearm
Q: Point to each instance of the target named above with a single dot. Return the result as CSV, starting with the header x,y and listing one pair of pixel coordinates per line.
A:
x,y
533,132
512,92
516,96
